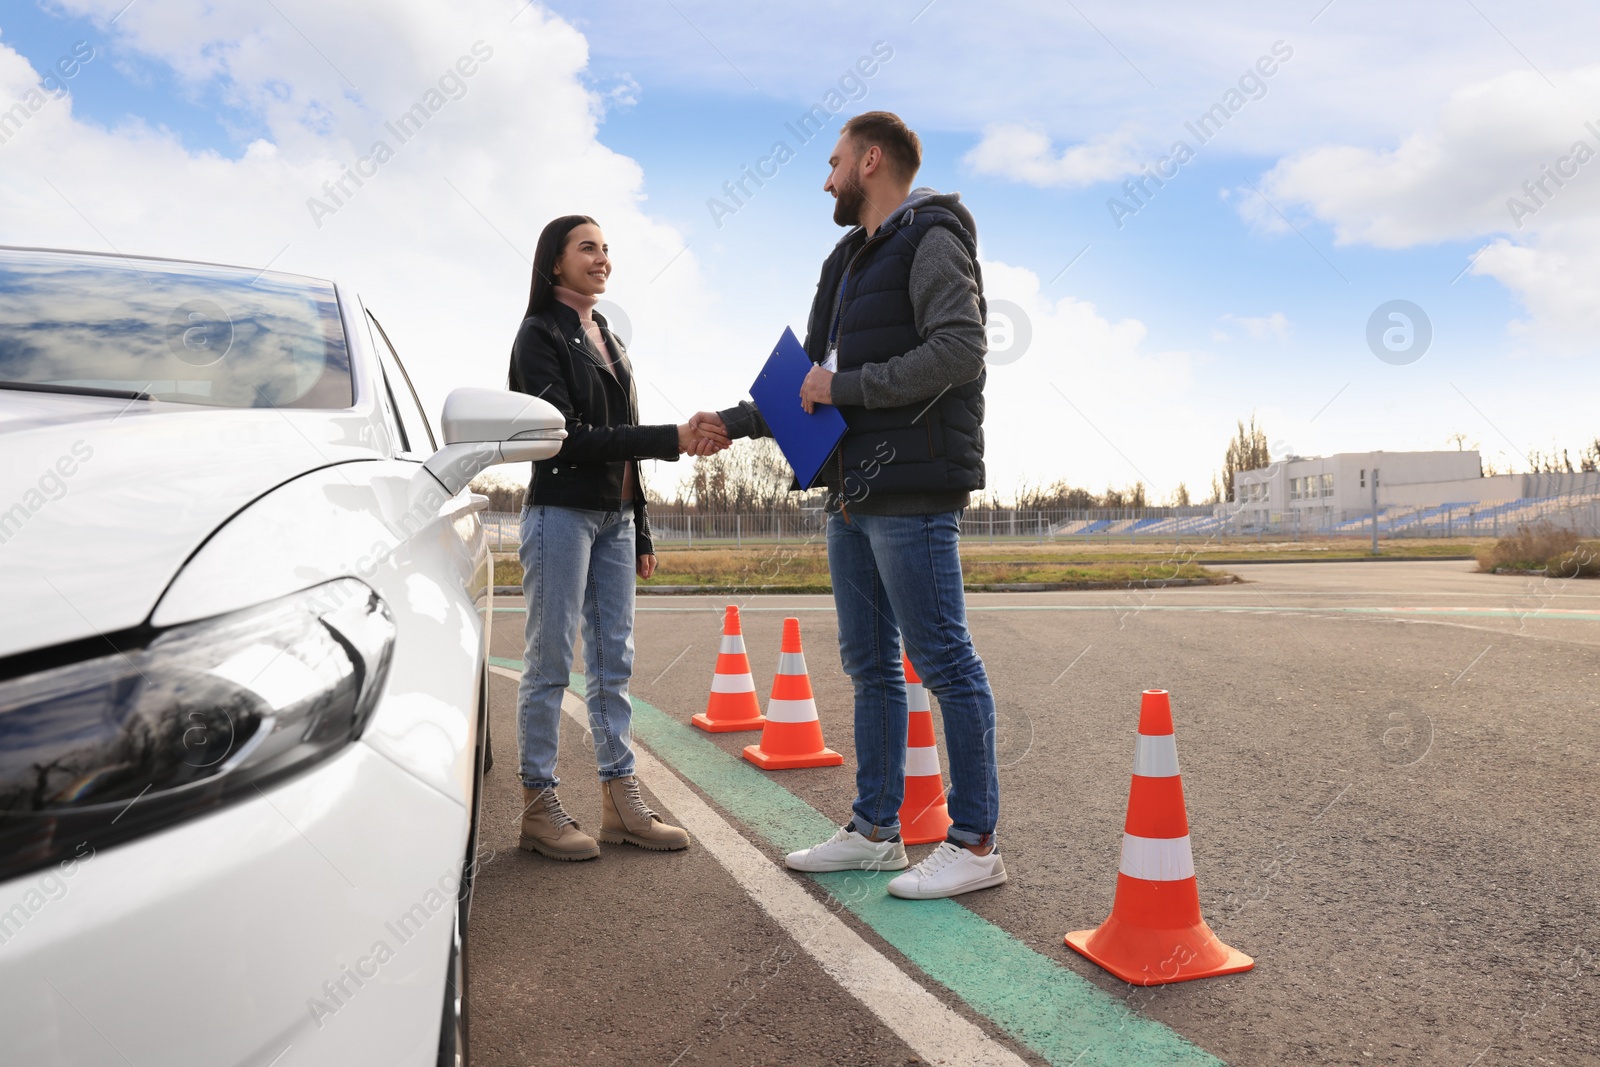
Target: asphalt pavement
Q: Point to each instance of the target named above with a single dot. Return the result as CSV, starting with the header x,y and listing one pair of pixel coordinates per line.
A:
x,y
1389,772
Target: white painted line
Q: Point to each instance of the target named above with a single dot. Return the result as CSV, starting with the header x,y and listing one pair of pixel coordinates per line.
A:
x,y
921,1020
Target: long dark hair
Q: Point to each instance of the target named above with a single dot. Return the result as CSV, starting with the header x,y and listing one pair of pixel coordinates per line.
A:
x,y
551,244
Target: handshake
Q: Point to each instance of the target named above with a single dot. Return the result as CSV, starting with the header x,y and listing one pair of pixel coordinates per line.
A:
x,y
703,435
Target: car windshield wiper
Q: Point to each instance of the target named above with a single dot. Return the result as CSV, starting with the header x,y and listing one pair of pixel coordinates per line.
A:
x,y
76,390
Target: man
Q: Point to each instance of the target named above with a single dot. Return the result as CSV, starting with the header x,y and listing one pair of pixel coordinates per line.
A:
x,y
898,338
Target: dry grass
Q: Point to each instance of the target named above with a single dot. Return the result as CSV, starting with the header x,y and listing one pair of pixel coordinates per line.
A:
x,y
977,549
1581,562
1556,551
804,568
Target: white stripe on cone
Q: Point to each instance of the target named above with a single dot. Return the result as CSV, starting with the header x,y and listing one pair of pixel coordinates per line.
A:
x,y
1157,859
732,683
917,697
791,710
922,762
732,643
791,663
1156,757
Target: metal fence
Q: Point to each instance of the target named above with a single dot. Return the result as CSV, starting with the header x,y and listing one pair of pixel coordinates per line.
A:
x,y
682,526
1466,519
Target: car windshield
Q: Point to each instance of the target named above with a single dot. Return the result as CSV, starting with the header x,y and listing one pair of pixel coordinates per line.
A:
x,y
183,332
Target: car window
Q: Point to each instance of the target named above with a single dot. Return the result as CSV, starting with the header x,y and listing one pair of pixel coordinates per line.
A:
x,y
413,419
179,332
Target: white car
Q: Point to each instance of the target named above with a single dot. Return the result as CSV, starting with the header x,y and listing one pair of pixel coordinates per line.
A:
x,y
244,617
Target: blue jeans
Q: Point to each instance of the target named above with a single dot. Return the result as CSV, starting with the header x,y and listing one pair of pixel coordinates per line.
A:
x,y
576,566
898,578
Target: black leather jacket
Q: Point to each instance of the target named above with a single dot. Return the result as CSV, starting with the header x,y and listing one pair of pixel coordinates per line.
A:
x,y
552,359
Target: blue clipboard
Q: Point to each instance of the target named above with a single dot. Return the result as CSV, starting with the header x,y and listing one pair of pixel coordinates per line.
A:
x,y
806,440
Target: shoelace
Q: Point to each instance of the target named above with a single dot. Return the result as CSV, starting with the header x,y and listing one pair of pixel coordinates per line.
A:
x,y
552,807
939,859
838,835
630,792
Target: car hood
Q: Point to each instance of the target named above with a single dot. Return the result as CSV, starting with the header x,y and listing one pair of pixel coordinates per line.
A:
x,y
102,500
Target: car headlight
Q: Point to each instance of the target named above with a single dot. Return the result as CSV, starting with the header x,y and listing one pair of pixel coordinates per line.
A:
x,y
106,749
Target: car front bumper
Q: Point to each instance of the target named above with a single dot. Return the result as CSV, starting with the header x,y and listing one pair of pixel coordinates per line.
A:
x,y
310,924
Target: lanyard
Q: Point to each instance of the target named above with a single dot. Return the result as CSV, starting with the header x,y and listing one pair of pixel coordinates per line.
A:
x,y
838,306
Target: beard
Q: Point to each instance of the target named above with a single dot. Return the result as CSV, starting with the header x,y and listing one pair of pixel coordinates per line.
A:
x,y
847,205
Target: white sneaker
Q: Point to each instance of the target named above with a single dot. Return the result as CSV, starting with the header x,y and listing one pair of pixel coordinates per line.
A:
x,y
847,850
947,871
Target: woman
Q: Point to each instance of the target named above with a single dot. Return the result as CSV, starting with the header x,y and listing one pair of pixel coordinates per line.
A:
x,y
585,534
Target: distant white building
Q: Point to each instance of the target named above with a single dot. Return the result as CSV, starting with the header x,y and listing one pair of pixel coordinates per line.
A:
x,y
1305,492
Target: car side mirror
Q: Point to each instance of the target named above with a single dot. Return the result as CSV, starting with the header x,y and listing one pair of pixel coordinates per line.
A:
x,y
483,427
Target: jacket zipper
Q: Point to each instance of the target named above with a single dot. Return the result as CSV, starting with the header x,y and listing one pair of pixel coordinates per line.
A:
x,y
629,402
839,312
844,507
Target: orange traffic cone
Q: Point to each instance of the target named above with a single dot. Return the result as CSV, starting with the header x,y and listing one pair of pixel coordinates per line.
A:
x,y
924,817
1155,934
733,704
792,736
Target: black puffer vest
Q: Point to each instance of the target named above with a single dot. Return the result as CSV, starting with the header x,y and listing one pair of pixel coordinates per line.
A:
x,y
929,447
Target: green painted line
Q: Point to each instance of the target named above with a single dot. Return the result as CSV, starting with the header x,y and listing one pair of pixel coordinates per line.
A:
x,y
1059,1014
1240,609
1477,613
1055,1012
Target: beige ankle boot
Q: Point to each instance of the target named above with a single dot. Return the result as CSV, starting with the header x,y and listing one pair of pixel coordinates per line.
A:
x,y
625,817
550,831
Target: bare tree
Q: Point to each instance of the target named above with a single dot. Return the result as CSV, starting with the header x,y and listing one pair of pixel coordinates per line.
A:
x,y
1551,462
503,494
1062,495
747,478
1246,452
1056,495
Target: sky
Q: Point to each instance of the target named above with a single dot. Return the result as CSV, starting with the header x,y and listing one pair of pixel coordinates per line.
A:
x,y
1187,215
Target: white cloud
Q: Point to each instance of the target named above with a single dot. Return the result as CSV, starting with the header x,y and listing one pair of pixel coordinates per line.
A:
x,y
1453,179
435,240
1505,156
1556,275
1366,72
623,92
1258,328
1024,153
524,144
1077,403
